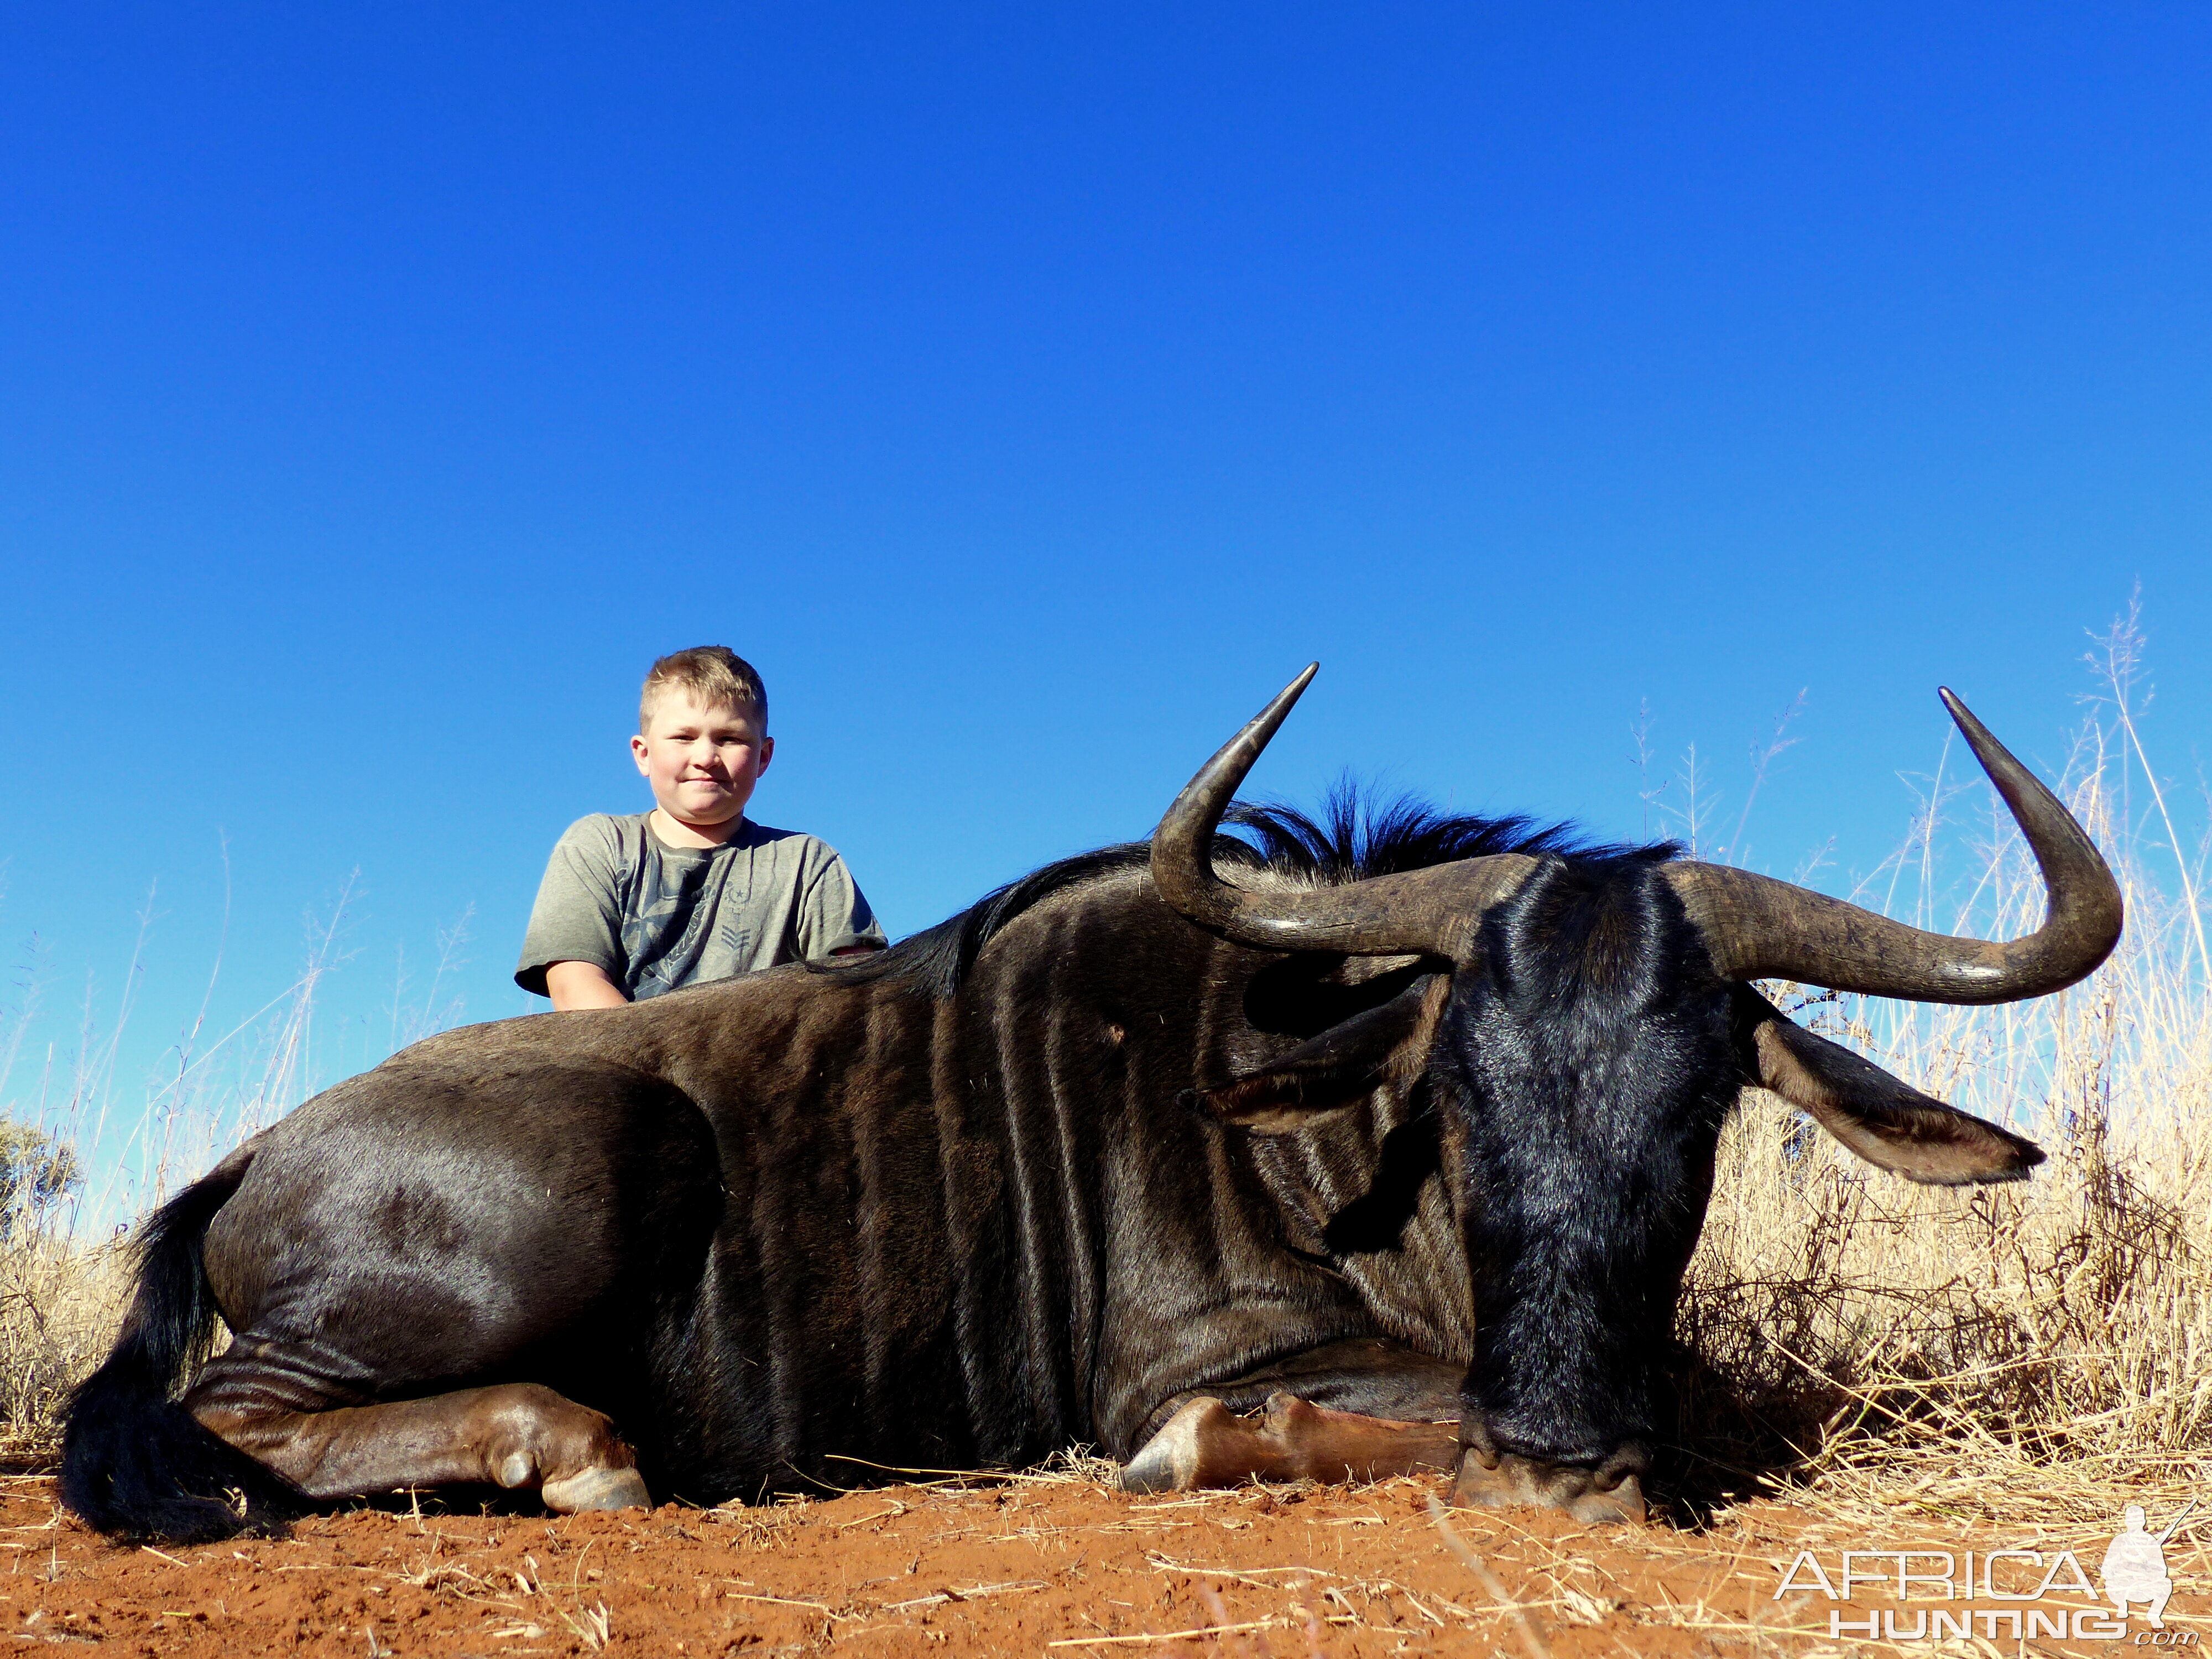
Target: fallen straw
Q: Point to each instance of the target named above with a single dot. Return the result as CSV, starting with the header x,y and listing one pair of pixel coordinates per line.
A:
x,y
1491,1582
1164,1635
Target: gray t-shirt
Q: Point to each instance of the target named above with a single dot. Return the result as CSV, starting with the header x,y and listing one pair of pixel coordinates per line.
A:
x,y
652,917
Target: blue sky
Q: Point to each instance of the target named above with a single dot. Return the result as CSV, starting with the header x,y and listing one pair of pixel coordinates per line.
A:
x,y
1029,391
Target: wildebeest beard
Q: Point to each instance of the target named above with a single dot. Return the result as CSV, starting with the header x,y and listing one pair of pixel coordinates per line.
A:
x,y
1588,1054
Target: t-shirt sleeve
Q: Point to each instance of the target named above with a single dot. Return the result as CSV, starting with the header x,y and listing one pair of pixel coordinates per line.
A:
x,y
833,915
578,916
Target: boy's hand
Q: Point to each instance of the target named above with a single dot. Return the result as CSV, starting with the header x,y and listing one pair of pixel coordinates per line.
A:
x,y
581,985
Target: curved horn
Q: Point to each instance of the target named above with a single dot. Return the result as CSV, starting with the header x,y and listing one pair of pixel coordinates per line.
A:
x,y
1424,912
1756,928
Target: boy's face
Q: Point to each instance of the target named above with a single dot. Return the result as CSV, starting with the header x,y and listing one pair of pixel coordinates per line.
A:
x,y
702,763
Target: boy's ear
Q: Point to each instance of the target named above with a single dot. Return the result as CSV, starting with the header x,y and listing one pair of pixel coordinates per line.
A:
x,y
1326,1073
1882,1119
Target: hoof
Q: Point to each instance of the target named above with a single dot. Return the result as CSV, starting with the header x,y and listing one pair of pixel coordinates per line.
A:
x,y
597,1489
1170,1460
1519,1480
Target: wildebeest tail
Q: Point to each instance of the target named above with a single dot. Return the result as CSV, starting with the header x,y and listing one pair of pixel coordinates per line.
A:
x,y
134,1462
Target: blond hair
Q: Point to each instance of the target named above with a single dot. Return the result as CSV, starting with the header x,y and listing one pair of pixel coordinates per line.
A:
x,y
713,675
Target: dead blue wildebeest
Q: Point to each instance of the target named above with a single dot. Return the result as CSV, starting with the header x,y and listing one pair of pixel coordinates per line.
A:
x,y
1345,1150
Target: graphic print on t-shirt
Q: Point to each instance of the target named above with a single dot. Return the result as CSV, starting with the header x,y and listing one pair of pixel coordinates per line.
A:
x,y
660,953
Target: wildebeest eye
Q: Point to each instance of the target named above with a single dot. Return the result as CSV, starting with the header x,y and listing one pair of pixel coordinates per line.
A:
x,y
1339,1067
1309,994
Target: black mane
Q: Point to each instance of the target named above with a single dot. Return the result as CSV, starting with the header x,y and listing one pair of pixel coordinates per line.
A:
x,y
1350,840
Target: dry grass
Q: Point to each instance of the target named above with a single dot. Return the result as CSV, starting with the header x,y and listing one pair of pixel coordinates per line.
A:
x,y
59,1305
2048,1339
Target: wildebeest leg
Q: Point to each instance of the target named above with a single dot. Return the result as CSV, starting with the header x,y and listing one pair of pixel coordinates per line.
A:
x,y
513,1434
424,1286
1206,1444
1359,1410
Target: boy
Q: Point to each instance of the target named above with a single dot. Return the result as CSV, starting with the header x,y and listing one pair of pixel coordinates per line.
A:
x,y
635,905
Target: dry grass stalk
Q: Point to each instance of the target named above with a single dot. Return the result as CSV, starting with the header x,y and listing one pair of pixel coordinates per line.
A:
x,y
1491,1582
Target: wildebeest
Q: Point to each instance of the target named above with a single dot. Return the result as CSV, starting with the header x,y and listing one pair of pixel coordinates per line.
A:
x,y
1386,1131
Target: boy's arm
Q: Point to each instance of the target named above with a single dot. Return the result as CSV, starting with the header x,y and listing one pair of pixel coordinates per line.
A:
x,y
572,951
581,985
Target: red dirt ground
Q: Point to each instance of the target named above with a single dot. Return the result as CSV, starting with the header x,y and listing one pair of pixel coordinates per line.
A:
x,y
1032,1565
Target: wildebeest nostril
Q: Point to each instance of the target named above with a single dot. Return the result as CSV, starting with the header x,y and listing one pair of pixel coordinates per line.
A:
x,y
1632,1459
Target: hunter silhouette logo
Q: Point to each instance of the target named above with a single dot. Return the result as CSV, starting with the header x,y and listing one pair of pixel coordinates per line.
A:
x,y
2133,1569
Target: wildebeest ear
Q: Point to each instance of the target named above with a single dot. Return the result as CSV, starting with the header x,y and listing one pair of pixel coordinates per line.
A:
x,y
1882,1119
1323,1074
